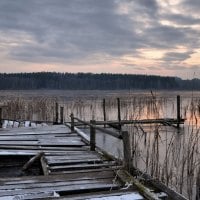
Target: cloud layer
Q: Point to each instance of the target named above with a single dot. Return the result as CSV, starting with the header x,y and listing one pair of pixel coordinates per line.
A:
x,y
118,36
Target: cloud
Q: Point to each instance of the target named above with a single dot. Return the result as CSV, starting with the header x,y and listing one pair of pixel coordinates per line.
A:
x,y
69,29
96,31
181,19
175,56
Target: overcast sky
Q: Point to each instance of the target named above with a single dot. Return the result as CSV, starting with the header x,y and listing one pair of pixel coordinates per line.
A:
x,y
116,36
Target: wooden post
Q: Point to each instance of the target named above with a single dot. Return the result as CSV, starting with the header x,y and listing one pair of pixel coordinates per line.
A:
x,y
119,112
61,114
72,122
0,117
127,147
56,120
104,112
92,136
198,185
178,111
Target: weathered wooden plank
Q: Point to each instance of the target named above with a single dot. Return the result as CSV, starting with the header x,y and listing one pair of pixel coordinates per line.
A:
x,y
92,185
48,153
81,166
71,175
40,195
43,136
44,143
21,142
78,161
37,130
8,188
47,148
80,171
102,195
73,156
37,135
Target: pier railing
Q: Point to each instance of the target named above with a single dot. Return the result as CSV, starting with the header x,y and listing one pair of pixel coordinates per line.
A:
x,y
122,135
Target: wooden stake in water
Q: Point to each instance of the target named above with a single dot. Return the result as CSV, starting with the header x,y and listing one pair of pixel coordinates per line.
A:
x,y
198,185
178,111
119,112
0,117
127,151
104,111
61,115
92,136
72,122
56,120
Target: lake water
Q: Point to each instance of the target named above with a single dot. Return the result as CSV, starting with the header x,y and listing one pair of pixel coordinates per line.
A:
x,y
167,153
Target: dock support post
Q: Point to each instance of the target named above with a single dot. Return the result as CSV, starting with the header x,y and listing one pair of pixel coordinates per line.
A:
x,y
61,114
92,135
178,111
198,185
119,112
0,117
56,119
104,112
127,147
72,122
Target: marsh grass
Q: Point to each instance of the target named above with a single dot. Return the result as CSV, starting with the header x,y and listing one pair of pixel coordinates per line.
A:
x,y
40,109
168,154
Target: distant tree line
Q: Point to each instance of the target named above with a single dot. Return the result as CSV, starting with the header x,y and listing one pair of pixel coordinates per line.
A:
x,y
89,81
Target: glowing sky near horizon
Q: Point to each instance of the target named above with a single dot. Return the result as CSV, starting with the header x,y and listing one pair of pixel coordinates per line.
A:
x,y
109,36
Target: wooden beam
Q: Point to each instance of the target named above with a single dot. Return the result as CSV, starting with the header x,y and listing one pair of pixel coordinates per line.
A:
x,y
32,160
107,131
44,166
126,178
119,112
72,122
158,184
127,147
92,136
104,112
56,110
178,111
142,121
0,117
61,114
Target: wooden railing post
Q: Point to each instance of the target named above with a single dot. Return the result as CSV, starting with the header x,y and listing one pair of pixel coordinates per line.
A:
x,y
104,111
61,114
198,185
127,147
72,121
178,111
56,109
92,136
119,112
0,117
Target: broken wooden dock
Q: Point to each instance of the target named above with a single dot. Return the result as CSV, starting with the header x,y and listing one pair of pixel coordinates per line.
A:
x,y
66,169
62,162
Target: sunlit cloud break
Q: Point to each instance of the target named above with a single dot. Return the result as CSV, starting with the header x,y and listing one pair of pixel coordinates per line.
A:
x,y
113,36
